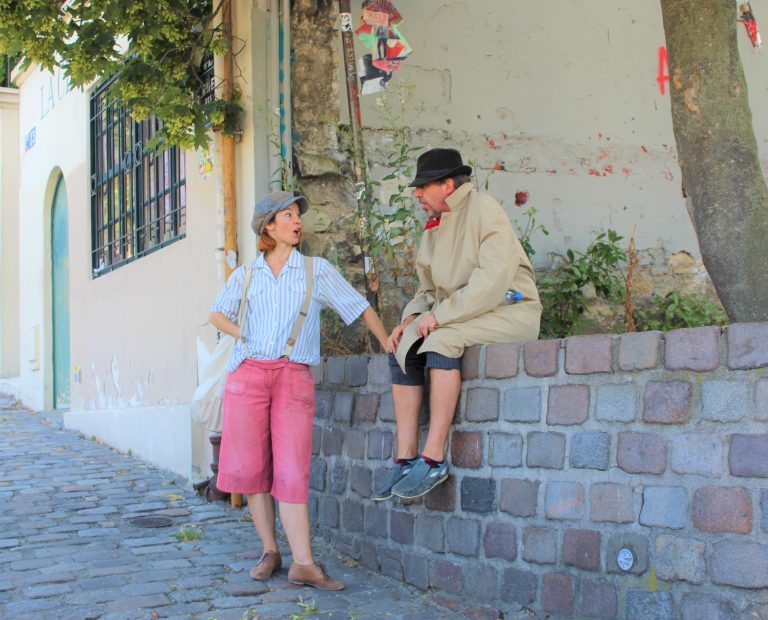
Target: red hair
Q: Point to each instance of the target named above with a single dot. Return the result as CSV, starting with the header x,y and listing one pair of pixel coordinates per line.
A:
x,y
266,243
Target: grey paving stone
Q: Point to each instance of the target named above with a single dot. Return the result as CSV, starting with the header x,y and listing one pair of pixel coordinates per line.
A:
x,y
729,559
47,590
357,370
697,453
680,559
590,450
725,401
506,450
144,589
540,545
463,535
521,404
664,507
697,606
127,573
649,605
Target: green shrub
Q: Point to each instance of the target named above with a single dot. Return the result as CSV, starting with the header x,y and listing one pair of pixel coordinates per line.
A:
x,y
674,311
562,289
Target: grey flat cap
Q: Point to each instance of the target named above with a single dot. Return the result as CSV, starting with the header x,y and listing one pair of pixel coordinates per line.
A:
x,y
266,208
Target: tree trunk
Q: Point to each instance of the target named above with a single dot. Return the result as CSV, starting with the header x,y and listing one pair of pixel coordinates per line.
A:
x,y
712,122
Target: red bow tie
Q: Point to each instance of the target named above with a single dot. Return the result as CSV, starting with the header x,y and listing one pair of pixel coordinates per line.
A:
x,y
433,223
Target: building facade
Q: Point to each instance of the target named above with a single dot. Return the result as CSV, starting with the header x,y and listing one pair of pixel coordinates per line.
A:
x,y
112,255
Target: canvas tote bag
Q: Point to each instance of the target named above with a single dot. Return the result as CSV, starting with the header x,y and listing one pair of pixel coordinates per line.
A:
x,y
207,401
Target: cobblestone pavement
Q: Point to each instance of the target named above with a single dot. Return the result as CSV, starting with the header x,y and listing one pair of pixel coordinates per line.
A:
x,y
68,550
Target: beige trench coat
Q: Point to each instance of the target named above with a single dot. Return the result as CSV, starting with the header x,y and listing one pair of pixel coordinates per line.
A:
x,y
465,265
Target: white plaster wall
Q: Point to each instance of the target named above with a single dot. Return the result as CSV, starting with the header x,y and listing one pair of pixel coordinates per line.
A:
x,y
561,100
9,232
158,435
59,119
134,331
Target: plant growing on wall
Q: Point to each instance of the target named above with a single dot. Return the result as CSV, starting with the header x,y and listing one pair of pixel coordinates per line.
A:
x,y
675,310
562,289
156,48
395,228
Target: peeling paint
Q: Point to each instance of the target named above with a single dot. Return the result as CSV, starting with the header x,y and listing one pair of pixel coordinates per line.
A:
x,y
116,377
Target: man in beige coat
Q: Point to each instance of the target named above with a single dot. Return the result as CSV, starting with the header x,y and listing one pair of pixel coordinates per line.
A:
x,y
477,286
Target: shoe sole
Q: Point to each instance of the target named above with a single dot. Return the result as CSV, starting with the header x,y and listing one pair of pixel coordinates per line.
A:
x,y
312,585
391,494
432,488
264,578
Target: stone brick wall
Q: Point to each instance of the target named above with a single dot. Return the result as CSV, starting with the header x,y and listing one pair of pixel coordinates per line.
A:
x,y
564,452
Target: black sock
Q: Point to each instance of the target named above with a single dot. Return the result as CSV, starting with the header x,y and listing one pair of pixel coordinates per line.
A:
x,y
406,461
432,462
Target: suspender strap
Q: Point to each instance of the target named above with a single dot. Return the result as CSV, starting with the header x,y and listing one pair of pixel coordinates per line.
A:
x,y
244,306
304,307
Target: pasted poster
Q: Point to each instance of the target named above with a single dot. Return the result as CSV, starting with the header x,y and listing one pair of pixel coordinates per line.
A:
x,y
379,31
747,17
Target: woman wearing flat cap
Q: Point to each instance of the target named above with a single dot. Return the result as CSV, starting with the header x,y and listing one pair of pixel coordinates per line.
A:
x,y
266,443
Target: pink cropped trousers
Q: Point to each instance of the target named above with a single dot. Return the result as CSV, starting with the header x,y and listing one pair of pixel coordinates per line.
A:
x,y
266,439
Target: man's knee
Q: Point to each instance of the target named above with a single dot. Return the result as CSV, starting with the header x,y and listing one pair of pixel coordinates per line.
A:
x,y
442,362
413,375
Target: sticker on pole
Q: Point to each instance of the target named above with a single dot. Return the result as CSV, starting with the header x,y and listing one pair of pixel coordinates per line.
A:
x,y
747,17
379,30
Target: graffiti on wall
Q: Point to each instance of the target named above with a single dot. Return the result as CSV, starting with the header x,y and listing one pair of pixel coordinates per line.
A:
x,y
662,77
746,17
379,31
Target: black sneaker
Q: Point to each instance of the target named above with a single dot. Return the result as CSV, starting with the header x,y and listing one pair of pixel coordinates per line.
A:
x,y
420,480
399,471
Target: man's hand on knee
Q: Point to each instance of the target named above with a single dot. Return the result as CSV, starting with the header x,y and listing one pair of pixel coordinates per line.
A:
x,y
426,325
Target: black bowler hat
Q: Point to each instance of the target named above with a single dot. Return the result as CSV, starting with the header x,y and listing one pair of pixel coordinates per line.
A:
x,y
438,164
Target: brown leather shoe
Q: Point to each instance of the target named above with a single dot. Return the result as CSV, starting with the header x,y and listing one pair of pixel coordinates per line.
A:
x,y
312,575
270,562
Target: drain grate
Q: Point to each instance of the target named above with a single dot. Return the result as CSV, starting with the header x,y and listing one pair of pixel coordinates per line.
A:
x,y
151,521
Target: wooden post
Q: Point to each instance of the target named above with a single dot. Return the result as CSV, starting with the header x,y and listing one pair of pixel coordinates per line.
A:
x,y
358,152
228,173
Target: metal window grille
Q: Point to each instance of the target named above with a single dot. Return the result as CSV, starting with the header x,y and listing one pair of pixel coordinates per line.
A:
x,y
138,195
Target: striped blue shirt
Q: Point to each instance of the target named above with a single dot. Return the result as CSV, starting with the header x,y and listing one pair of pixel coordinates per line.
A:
x,y
274,304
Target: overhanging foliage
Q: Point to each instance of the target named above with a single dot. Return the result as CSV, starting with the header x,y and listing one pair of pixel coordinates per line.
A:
x,y
156,47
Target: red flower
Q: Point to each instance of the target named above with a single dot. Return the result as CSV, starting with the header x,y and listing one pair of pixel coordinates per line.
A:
x,y
433,223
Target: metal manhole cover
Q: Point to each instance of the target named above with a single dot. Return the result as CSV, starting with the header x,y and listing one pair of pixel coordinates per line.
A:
x,y
151,521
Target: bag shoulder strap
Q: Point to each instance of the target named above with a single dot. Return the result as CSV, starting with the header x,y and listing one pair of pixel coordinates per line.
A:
x,y
297,325
244,305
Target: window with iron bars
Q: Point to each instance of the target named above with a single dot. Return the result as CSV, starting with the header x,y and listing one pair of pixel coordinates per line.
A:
x,y
138,195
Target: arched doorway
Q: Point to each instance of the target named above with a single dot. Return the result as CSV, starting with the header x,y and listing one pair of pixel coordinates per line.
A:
x,y
60,295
